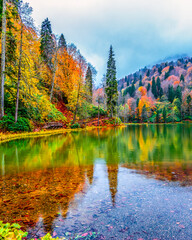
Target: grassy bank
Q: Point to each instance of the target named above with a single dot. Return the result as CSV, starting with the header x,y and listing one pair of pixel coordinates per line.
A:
x,y
6,137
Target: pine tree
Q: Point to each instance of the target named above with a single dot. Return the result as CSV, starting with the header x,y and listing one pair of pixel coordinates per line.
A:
x,y
89,84
47,42
189,99
178,93
154,88
144,113
157,117
171,94
158,85
62,43
111,83
161,92
132,90
148,87
182,78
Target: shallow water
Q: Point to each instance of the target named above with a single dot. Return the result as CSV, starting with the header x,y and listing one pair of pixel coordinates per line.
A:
x,y
125,183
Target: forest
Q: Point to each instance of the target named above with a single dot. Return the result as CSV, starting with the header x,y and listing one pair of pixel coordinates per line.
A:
x,y
47,83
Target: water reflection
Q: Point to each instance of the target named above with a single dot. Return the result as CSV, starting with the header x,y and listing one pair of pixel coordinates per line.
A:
x,y
42,178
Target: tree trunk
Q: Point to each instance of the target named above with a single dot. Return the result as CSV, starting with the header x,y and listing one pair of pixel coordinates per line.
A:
x,y
19,74
98,113
75,113
54,74
3,52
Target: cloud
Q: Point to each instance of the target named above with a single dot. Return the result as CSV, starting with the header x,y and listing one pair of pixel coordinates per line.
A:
x,y
142,32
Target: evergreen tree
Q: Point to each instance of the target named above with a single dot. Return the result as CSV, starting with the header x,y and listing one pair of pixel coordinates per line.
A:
x,y
171,94
89,84
178,93
140,83
62,43
111,83
182,78
160,70
154,88
157,117
158,86
47,42
132,90
166,75
148,87
189,99
161,92
144,113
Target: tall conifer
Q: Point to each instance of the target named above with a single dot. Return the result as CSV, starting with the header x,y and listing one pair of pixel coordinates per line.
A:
x,y
111,83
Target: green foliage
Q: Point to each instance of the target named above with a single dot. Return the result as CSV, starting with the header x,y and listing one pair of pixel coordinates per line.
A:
x,y
115,121
182,78
8,231
154,88
47,42
89,84
75,125
167,75
130,90
148,87
164,115
62,43
157,118
171,94
55,115
88,110
111,83
7,123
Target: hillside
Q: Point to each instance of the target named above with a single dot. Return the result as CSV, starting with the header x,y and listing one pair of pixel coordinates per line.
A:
x,y
148,92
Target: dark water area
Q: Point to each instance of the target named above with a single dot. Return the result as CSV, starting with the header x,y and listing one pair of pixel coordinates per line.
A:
x,y
124,183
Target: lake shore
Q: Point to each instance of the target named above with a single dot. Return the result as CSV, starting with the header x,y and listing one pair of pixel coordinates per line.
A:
x,y
6,137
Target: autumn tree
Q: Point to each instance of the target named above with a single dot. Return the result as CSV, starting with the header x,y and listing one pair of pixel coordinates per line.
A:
x,y
3,54
26,21
111,83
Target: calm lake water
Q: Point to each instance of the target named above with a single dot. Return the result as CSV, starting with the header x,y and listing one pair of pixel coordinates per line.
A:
x,y
124,183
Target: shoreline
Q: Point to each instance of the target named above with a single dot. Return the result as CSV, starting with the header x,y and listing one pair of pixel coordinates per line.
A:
x,y
6,137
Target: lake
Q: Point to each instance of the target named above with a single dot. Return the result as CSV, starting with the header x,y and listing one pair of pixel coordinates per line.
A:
x,y
124,183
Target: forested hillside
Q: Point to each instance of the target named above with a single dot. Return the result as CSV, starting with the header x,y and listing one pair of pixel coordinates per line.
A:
x,y
162,93
45,78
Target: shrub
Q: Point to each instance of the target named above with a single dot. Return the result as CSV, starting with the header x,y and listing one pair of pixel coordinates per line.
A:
x,y
22,125
75,125
8,231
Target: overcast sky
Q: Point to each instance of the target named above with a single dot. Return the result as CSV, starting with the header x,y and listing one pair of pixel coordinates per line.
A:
x,y
141,31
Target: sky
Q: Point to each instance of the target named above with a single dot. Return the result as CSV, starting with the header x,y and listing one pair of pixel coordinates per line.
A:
x,y
142,32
